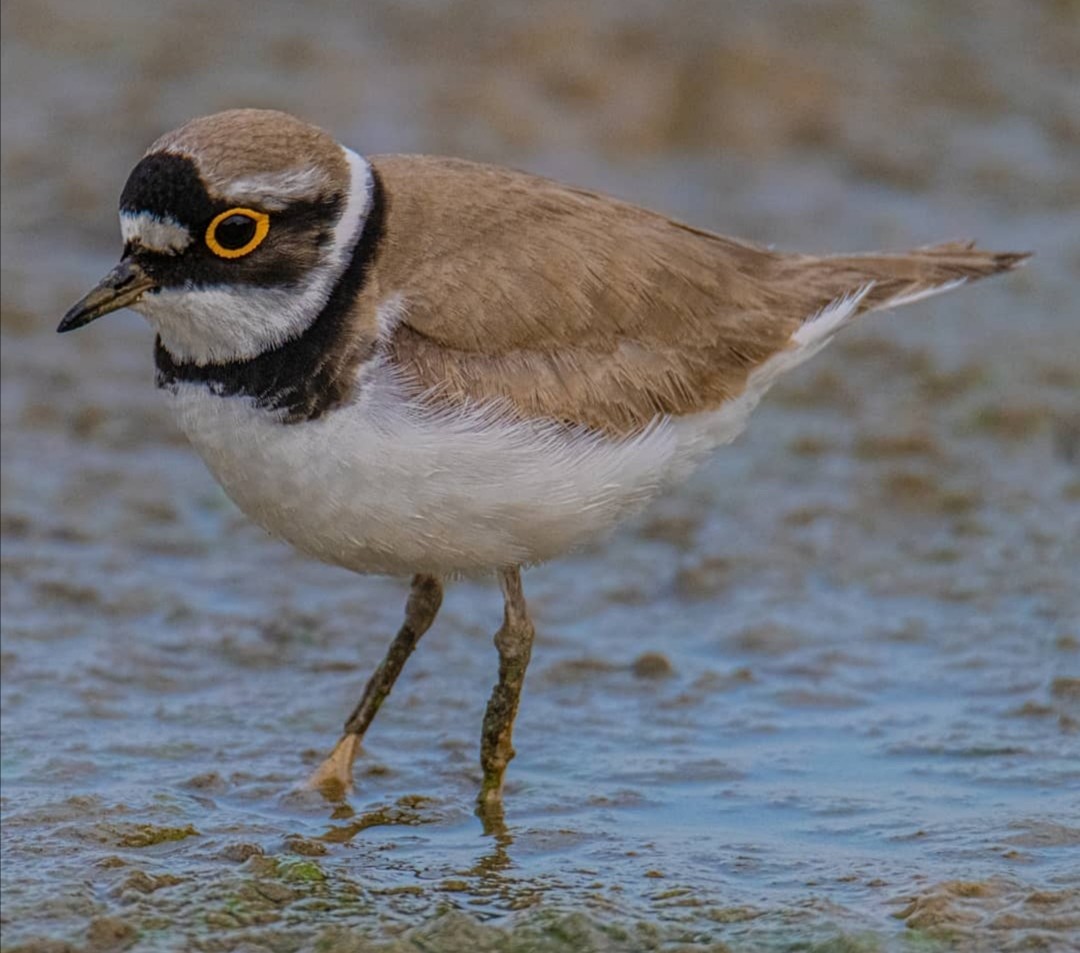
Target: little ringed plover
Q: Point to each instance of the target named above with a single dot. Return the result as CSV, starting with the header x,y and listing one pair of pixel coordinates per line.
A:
x,y
417,365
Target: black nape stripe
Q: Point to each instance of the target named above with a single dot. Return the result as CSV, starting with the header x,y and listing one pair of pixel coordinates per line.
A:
x,y
309,374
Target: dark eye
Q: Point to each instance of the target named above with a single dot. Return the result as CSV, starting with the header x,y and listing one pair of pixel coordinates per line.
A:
x,y
237,232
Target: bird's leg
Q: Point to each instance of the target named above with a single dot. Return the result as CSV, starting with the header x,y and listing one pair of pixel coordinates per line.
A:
x,y
424,601
334,776
514,642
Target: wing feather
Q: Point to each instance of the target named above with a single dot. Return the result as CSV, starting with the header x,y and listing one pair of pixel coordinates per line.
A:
x,y
564,304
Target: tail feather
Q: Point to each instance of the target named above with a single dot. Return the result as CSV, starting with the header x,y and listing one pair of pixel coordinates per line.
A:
x,y
898,279
901,279
834,289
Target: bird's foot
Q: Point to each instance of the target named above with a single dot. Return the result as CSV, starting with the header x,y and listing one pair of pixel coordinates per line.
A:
x,y
334,777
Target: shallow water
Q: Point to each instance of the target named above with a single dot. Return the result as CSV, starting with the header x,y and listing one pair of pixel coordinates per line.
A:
x,y
826,693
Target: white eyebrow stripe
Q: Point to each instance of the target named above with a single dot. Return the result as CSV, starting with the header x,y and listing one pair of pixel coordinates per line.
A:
x,y
275,190
155,232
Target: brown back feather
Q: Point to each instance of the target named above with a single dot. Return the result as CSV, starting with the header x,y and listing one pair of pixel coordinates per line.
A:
x,y
570,305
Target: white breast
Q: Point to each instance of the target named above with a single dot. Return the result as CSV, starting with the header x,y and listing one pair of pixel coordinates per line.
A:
x,y
388,484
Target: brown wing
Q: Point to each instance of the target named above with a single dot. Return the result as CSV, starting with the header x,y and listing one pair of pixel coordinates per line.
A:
x,y
574,306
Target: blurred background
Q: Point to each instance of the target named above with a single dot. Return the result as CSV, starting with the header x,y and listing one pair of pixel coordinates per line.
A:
x,y
826,693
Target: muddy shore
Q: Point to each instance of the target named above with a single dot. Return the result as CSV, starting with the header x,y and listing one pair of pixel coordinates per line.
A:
x,y
825,697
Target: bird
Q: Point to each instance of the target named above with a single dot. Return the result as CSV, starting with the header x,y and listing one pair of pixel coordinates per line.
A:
x,y
430,367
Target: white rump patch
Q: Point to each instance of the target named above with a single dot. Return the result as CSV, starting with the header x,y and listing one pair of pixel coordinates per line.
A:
x,y
154,232
273,191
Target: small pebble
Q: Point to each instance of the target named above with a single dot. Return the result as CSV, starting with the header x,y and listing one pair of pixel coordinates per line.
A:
x,y
305,846
240,851
107,934
652,665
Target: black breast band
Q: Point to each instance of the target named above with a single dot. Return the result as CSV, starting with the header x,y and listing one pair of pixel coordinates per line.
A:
x,y
301,376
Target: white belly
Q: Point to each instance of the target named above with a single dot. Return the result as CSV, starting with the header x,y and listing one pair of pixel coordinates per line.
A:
x,y
384,485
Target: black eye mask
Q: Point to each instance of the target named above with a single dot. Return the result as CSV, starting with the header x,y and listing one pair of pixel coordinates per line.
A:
x,y
295,378
169,186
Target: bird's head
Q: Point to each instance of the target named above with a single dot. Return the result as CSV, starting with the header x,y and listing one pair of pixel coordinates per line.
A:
x,y
236,227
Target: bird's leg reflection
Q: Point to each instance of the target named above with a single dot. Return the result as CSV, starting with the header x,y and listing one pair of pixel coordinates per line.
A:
x,y
489,866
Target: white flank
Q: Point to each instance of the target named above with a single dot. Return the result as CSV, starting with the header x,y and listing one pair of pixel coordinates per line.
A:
x,y
159,234
398,485
220,324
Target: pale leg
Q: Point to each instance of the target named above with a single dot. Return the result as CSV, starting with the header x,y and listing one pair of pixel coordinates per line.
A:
x,y
334,776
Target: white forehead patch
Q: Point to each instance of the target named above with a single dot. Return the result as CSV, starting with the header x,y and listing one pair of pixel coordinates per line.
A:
x,y
273,191
154,232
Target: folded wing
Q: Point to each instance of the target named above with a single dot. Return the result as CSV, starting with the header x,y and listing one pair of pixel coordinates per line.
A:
x,y
560,303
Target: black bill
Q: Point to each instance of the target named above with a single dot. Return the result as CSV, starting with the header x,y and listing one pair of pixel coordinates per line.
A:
x,y
122,286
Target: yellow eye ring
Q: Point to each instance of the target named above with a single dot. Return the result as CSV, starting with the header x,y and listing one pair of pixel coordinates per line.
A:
x,y
262,228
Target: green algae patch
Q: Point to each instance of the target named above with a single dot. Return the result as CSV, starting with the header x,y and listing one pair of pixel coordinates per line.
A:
x,y
289,869
149,835
301,871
